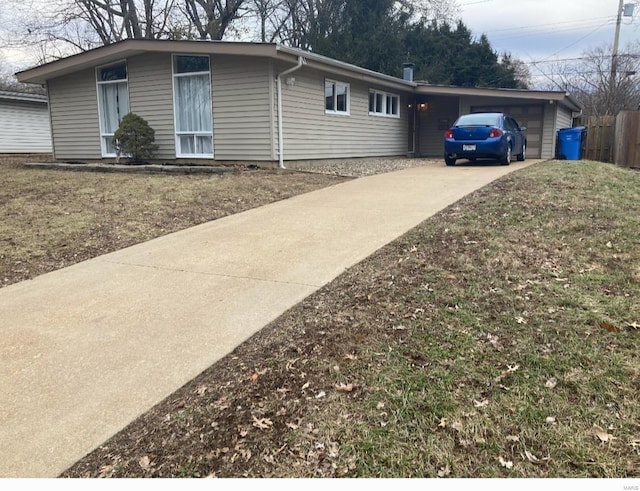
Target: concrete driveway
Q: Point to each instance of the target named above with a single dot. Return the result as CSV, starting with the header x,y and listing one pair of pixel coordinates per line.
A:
x,y
87,349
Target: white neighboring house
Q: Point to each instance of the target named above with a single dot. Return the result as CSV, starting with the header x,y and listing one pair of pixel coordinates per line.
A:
x,y
24,123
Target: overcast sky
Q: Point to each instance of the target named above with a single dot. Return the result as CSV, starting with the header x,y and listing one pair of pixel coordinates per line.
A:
x,y
532,30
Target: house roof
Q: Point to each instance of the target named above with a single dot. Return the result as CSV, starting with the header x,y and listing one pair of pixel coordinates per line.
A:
x,y
131,47
8,95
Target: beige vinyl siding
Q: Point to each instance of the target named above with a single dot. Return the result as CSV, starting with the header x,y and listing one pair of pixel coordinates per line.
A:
x,y
24,127
151,97
440,114
242,113
73,104
549,133
310,133
556,118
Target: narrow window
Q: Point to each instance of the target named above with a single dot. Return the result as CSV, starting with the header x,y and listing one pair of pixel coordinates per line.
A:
x,y
336,97
192,106
113,103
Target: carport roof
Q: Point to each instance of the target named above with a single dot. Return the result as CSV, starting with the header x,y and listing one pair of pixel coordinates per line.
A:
x,y
541,95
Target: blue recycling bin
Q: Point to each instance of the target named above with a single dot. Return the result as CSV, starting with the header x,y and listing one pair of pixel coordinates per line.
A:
x,y
570,143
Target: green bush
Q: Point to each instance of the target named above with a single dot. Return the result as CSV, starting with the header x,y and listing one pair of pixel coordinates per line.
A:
x,y
134,139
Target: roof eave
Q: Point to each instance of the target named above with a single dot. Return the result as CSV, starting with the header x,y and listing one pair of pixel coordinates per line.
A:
x,y
132,47
563,98
342,68
22,96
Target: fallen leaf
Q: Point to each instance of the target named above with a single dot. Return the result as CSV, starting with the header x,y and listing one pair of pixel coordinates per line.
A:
x,y
144,462
444,471
262,423
505,463
551,383
480,404
531,458
551,420
344,388
443,423
609,327
254,377
305,386
321,394
601,434
513,438
609,245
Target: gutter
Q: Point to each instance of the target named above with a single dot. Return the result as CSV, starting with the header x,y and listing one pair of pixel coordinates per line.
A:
x,y
301,62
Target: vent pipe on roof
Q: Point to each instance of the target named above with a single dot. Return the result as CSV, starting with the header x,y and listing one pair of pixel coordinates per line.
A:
x,y
407,71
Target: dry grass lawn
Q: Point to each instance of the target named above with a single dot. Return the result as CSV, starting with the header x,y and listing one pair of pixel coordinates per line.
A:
x,y
52,218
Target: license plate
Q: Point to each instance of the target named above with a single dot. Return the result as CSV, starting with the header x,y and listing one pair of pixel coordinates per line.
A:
x,y
468,148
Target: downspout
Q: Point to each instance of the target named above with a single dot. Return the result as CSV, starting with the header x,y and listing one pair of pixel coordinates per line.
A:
x,y
301,61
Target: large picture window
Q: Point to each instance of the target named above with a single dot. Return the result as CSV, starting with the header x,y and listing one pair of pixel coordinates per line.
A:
x,y
192,106
336,97
384,104
113,103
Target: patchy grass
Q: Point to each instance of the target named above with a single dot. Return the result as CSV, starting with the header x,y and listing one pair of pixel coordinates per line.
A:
x,y
53,218
497,339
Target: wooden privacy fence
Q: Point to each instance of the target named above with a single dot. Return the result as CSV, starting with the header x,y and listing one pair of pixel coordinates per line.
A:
x,y
600,137
626,149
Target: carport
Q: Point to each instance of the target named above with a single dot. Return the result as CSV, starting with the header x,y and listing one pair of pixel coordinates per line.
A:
x,y
542,112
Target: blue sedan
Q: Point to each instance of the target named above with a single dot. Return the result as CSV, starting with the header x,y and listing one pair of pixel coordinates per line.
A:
x,y
485,135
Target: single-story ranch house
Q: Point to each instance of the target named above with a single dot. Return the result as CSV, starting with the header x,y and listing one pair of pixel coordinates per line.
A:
x,y
227,101
24,123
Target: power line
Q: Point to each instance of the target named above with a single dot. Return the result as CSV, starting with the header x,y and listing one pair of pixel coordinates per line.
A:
x,y
589,21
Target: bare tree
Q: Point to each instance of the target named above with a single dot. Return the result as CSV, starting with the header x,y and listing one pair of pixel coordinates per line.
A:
x,y
212,18
589,80
61,27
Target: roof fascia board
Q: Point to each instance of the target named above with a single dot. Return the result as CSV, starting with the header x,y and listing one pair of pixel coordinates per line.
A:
x,y
560,97
132,47
24,97
337,67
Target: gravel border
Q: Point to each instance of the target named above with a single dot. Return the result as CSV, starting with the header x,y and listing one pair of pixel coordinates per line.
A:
x,y
360,167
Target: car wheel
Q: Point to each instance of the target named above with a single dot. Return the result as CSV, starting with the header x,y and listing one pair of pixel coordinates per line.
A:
x,y
449,160
523,155
506,160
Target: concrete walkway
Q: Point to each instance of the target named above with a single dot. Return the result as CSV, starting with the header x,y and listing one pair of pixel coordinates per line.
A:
x,y
87,349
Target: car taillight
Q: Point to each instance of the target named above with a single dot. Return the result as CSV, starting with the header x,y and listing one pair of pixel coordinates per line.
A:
x,y
448,134
495,133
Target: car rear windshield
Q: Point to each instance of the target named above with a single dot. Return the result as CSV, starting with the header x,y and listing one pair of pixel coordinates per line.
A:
x,y
478,120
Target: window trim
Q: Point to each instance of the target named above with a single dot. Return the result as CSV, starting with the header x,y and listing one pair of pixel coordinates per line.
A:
x,y
335,111
383,113
99,83
195,134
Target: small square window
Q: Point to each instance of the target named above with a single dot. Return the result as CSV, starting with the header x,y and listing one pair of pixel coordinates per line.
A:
x,y
336,97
